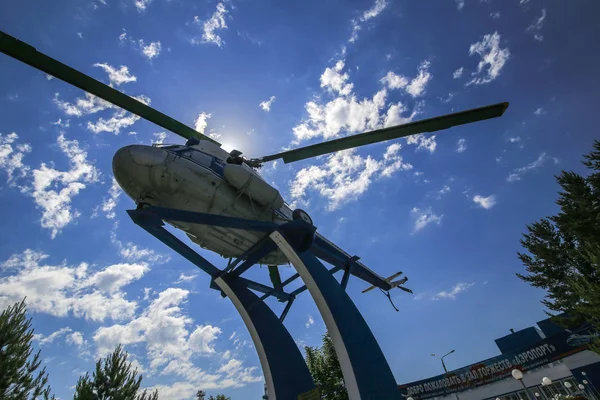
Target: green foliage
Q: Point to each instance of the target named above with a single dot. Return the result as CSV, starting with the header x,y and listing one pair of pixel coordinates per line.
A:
x,y
113,379
219,397
20,377
564,250
559,246
201,395
326,371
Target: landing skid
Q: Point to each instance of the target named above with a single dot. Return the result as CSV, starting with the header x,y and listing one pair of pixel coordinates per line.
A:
x,y
366,372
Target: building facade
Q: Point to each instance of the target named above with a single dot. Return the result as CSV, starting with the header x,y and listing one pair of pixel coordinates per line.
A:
x,y
546,351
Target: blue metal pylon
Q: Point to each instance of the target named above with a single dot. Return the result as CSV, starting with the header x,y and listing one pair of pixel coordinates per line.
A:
x,y
285,371
367,375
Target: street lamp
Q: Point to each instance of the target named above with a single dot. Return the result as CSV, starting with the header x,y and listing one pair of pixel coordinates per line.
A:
x,y
593,388
444,365
537,394
518,375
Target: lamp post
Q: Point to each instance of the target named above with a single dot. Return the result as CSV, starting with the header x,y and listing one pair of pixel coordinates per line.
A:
x,y
444,365
593,388
518,375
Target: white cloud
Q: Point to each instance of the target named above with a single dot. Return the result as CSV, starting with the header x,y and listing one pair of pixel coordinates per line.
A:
x,y
200,123
150,51
456,290
518,173
495,15
61,290
11,157
459,4
266,105
91,104
393,81
372,12
309,322
444,190
422,142
133,253
50,338
110,202
537,25
394,115
539,112
514,139
416,87
185,278
117,76
56,205
159,137
114,277
211,26
76,338
201,340
424,217
492,61
164,330
83,106
141,5
334,81
345,175
524,2
458,73
485,202
461,145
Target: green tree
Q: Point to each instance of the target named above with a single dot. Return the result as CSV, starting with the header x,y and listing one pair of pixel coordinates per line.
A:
x,y
559,246
326,371
564,250
113,379
219,397
20,376
200,395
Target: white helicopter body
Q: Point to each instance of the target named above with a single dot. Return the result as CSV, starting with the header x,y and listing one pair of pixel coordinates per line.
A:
x,y
198,178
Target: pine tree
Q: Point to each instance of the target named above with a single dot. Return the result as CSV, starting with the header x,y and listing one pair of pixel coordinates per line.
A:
x,y
326,371
113,379
200,395
559,246
20,377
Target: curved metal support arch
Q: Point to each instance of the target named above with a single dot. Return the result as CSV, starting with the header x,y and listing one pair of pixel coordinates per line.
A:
x,y
367,374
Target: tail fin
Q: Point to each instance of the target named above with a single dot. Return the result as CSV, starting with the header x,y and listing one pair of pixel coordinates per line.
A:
x,y
388,279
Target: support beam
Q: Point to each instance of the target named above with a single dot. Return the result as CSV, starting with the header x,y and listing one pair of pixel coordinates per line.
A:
x,y
286,309
286,373
367,374
212,219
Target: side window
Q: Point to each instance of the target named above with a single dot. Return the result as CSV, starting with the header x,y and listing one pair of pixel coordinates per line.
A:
x,y
201,158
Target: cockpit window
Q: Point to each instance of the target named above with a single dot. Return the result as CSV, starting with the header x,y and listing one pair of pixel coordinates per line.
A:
x,y
194,155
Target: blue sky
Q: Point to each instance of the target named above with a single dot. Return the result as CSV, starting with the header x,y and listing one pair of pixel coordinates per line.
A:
x,y
448,209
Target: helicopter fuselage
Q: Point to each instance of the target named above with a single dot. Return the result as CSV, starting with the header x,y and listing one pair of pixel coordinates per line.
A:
x,y
199,178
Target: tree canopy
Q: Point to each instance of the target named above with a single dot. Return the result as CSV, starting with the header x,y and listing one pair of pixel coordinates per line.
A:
x,y
563,250
113,379
20,374
326,371
560,247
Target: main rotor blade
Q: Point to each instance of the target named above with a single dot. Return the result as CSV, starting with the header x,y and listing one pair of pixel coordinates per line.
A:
x,y
394,132
29,55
